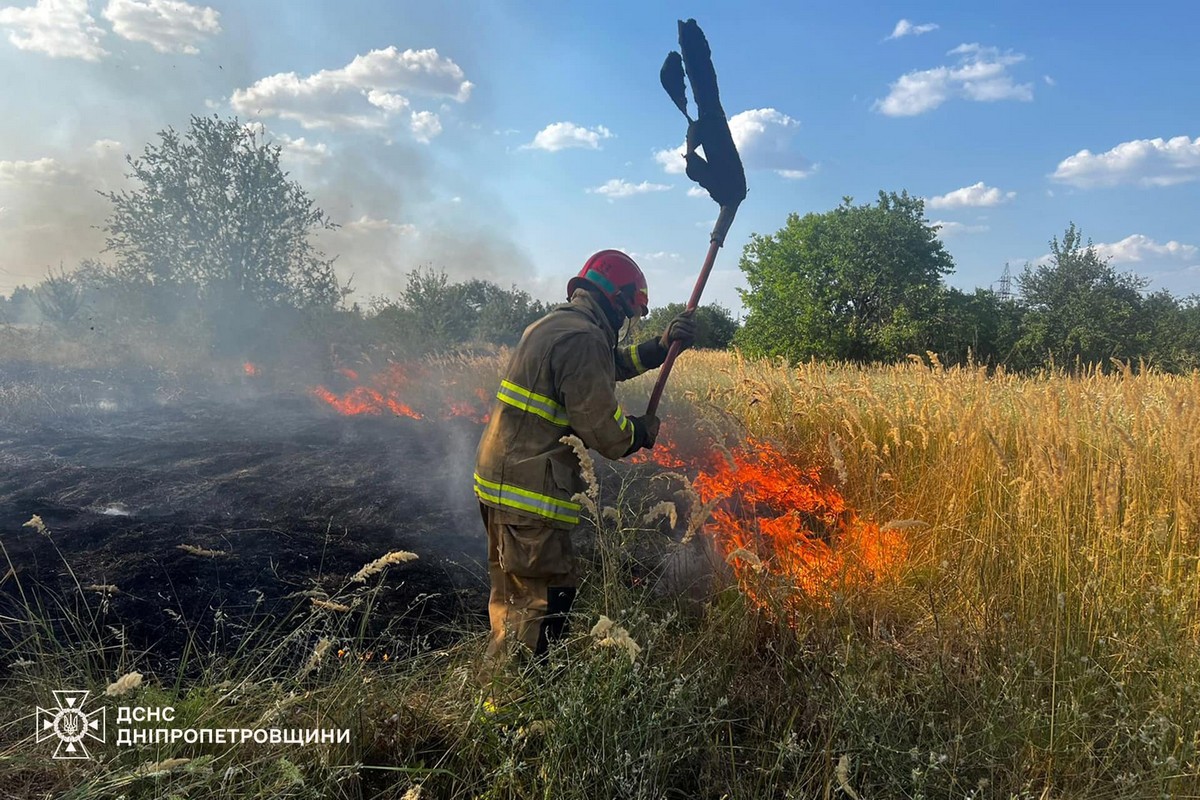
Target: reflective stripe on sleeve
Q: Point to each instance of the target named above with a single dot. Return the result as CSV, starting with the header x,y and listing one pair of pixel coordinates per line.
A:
x,y
525,500
637,362
545,407
625,424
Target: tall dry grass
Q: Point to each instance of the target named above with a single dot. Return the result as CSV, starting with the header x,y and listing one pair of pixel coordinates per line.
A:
x,y
1061,566
1043,640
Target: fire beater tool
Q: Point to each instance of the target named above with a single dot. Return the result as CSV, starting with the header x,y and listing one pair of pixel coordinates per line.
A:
x,y
719,170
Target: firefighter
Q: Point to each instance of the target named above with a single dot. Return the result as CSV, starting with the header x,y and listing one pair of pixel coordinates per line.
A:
x,y
561,380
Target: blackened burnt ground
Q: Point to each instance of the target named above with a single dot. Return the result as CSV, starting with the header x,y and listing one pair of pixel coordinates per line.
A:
x,y
295,497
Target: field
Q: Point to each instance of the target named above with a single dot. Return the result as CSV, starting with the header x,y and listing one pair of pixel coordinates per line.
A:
x,y
890,582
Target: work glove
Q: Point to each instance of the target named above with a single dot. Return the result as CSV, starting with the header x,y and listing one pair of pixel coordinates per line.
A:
x,y
645,433
682,329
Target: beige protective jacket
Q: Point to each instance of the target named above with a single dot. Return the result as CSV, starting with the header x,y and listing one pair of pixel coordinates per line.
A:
x,y
561,380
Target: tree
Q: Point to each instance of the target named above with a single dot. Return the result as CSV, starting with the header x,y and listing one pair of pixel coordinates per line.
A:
x,y
59,297
859,283
503,314
715,325
1080,310
432,313
1174,338
22,306
215,216
981,325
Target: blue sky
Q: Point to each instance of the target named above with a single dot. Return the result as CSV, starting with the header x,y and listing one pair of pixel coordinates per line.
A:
x,y
509,141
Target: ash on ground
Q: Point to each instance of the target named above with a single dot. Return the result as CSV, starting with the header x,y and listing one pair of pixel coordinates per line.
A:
x,y
185,521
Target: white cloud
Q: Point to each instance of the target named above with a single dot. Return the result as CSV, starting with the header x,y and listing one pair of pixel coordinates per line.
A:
x,y
57,28
388,102
1139,247
300,149
981,74
949,229
169,26
425,126
905,28
696,191
41,171
1144,162
562,135
765,140
361,94
616,188
1049,81
974,196
672,160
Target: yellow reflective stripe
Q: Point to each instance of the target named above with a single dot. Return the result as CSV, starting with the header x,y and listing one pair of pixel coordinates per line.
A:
x,y
637,362
545,498
520,397
516,497
619,416
521,390
508,502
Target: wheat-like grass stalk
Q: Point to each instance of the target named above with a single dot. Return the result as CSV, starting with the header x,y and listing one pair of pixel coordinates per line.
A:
x,y
314,658
382,563
609,634
124,684
586,465
202,552
662,510
36,523
329,605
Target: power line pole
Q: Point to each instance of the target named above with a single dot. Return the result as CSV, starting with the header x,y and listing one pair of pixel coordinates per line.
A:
x,y
1003,287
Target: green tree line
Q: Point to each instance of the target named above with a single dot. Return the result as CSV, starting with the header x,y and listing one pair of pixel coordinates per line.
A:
x,y
214,236
864,283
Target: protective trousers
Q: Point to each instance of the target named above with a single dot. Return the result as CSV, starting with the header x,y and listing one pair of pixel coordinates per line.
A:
x,y
532,570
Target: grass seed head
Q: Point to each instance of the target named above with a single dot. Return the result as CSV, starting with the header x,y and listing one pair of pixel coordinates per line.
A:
x,y
329,605
664,510
609,634
196,550
742,554
124,684
586,464
36,523
315,657
382,563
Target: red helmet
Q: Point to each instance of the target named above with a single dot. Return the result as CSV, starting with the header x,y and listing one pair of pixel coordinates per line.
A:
x,y
617,277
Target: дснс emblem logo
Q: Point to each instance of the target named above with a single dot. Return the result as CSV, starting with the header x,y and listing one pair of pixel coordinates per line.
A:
x,y
70,724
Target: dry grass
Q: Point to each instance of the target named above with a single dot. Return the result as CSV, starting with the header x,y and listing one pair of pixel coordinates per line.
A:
x,y
1044,640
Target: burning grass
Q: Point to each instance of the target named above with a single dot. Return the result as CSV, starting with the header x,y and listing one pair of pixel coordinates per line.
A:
x,y
788,534
940,583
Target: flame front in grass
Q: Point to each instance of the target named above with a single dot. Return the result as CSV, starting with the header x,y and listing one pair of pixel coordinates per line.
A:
x,y
400,390
381,396
786,533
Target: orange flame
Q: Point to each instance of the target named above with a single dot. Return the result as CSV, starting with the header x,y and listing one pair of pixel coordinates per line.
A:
x,y
390,392
250,369
373,400
786,533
